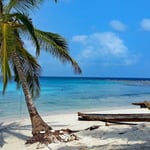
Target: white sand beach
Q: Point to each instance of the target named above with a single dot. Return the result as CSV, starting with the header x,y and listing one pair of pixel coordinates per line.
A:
x,y
13,134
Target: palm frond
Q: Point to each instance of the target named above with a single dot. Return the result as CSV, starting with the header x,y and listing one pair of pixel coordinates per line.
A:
x,y
48,40
30,68
57,46
6,44
32,72
16,76
22,5
26,22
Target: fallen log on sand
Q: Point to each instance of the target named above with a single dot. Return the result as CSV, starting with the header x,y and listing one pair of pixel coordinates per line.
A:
x,y
114,118
144,104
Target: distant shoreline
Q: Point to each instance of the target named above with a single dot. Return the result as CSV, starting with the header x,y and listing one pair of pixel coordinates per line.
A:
x,y
98,78
93,78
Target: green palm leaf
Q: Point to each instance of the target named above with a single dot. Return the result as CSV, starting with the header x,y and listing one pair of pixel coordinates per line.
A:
x,y
57,46
21,5
30,68
6,44
26,23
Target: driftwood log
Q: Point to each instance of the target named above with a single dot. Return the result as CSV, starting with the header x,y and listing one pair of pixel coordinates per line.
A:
x,y
114,118
144,104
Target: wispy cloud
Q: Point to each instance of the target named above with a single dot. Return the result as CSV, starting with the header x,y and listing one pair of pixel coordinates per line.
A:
x,y
106,47
145,24
110,44
80,38
118,25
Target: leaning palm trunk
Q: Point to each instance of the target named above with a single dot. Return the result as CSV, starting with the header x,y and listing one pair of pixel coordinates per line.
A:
x,y
38,124
41,131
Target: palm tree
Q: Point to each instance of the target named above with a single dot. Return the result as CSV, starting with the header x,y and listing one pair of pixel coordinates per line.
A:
x,y
15,59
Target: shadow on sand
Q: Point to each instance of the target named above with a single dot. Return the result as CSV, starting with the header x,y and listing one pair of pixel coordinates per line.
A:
x,y
130,134
11,129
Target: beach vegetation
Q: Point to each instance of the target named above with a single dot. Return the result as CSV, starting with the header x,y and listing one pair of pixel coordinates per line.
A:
x,y
15,59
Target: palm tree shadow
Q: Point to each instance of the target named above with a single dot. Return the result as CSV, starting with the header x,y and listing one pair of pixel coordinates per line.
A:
x,y
11,129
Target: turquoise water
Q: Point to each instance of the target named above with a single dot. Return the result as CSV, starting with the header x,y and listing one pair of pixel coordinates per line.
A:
x,y
76,94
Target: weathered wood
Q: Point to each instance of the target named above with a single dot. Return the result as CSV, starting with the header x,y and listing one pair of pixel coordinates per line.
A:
x,y
141,104
115,117
144,104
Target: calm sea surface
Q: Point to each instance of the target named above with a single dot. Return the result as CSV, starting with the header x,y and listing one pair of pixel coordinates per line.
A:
x,y
60,94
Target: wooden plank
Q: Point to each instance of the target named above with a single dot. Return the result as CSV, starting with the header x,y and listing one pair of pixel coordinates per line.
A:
x,y
115,117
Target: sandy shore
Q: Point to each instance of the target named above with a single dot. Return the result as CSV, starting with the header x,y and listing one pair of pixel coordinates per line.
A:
x,y
115,137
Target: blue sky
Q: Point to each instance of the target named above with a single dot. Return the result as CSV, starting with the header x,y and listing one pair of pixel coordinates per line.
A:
x,y
108,38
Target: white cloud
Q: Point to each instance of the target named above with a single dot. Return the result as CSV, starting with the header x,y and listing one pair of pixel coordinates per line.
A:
x,y
145,24
107,48
110,44
80,38
118,25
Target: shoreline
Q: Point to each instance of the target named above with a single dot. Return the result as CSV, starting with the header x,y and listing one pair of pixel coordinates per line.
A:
x,y
74,111
15,133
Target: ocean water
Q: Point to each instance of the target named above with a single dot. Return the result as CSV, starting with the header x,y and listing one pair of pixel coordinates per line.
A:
x,y
63,95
